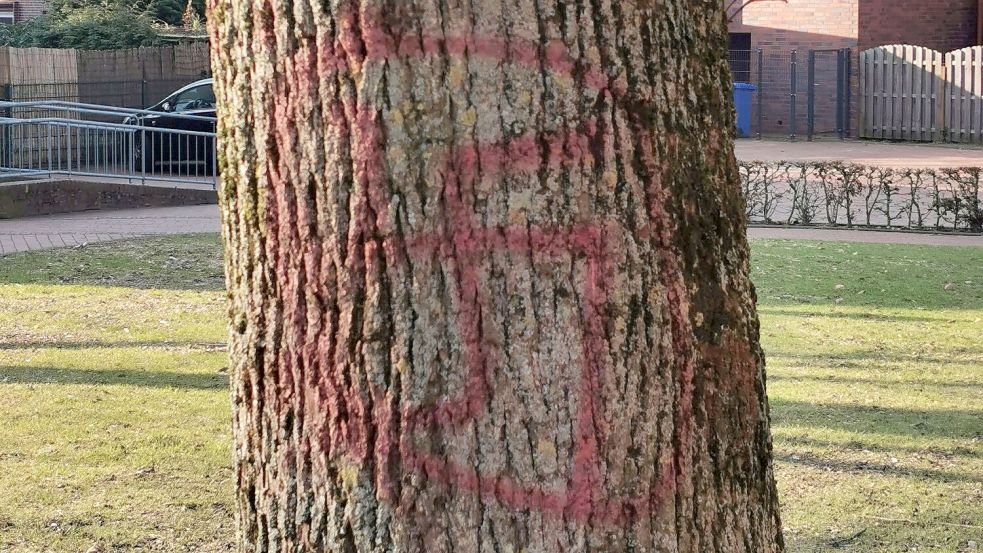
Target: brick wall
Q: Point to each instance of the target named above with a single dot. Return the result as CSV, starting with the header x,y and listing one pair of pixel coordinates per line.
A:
x,y
778,28
29,9
800,24
803,24
943,25
28,199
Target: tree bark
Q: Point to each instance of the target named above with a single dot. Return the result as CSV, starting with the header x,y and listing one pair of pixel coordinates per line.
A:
x,y
488,278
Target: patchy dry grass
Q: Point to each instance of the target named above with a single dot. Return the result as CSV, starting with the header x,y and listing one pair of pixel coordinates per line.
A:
x,y
876,383
113,396
113,399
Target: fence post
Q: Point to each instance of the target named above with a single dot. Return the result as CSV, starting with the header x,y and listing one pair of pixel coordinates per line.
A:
x,y
761,104
847,92
143,93
792,96
811,97
8,142
839,93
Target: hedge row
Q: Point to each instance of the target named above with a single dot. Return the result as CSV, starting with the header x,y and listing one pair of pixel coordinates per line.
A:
x,y
849,194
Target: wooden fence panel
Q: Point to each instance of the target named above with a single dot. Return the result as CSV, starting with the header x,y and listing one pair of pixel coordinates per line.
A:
x,y
964,95
111,77
42,65
901,91
916,93
133,77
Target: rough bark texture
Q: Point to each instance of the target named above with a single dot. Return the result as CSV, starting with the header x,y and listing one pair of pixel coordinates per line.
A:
x,y
488,278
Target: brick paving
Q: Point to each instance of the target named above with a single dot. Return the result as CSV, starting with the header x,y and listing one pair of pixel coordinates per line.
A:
x,y
880,154
59,231
68,230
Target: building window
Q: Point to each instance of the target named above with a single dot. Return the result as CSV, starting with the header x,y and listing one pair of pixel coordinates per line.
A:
x,y
7,13
740,57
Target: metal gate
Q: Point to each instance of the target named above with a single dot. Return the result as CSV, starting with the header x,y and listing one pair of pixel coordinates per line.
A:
x,y
919,94
828,93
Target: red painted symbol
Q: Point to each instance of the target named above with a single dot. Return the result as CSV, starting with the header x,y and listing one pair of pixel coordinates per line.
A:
x,y
467,241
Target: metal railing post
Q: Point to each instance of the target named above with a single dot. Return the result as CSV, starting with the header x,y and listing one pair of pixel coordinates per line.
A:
x,y
839,93
143,156
811,97
68,152
50,154
132,159
8,143
792,95
847,89
761,105
214,157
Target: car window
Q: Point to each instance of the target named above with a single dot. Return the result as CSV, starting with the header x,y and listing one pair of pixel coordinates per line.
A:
x,y
199,97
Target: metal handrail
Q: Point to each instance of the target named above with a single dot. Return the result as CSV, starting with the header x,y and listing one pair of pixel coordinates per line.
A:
x,y
75,142
96,125
97,109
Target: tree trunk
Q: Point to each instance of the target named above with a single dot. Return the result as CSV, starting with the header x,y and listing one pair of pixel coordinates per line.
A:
x,y
488,279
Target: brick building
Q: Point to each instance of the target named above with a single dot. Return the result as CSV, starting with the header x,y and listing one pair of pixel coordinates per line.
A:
x,y
15,11
778,27
819,24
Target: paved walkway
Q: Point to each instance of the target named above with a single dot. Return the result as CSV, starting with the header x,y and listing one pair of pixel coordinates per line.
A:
x,y
56,231
883,154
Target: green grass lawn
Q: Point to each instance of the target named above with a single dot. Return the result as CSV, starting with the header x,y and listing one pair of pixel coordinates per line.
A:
x,y
115,411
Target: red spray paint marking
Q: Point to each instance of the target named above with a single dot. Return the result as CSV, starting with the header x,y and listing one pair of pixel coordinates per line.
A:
x,y
584,499
362,41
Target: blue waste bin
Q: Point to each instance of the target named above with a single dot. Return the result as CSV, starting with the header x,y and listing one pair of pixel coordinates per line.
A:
x,y
743,93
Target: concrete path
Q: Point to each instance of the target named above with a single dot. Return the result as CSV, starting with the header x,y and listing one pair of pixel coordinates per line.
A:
x,y
55,231
883,154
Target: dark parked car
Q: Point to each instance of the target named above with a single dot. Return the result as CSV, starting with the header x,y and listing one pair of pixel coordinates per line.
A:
x,y
172,150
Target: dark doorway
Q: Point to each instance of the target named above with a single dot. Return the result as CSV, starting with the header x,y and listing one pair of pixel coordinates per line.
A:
x,y
740,57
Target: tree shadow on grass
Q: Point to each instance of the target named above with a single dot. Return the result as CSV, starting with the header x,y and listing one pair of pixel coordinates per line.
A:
x,y
857,316
961,386
886,469
183,262
872,419
855,445
115,377
865,359
99,344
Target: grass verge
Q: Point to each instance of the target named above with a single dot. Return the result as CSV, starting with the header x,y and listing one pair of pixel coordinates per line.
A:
x,y
113,395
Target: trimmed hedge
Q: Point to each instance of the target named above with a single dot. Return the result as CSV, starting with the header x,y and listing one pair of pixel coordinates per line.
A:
x,y
853,195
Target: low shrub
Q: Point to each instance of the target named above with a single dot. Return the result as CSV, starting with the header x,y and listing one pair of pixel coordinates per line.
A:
x,y
838,193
